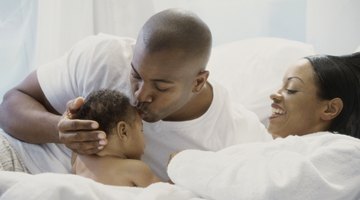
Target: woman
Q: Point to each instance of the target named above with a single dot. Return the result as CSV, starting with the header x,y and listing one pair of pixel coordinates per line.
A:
x,y
316,151
323,92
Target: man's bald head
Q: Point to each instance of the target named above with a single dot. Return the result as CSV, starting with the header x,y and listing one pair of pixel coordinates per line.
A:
x,y
177,29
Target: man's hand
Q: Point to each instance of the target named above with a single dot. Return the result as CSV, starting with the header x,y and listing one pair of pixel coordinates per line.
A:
x,y
80,136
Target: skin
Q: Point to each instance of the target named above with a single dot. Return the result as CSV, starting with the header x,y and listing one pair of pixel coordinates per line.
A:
x,y
297,109
126,141
168,86
26,103
119,162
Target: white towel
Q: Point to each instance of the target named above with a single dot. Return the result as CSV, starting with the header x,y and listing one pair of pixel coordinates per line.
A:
x,y
316,166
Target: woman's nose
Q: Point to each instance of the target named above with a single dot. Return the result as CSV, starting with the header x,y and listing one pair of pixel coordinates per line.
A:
x,y
275,97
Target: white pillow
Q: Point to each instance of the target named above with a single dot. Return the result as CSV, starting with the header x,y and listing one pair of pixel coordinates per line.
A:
x,y
252,69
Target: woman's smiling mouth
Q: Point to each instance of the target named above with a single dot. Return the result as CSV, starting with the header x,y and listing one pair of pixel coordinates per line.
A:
x,y
276,111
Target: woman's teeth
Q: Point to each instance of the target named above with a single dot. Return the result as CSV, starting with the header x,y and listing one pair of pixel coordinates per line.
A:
x,y
277,111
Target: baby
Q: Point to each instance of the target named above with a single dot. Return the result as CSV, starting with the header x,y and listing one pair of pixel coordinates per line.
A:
x,y
119,162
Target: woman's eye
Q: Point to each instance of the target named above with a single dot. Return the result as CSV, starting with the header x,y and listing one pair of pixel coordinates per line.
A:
x,y
291,91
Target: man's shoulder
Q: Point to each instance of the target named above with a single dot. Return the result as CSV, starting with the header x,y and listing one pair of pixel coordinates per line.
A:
x,y
101,40
106,37
102,48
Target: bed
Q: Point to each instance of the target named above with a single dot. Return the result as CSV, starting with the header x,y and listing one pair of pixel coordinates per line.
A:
x,y
250,69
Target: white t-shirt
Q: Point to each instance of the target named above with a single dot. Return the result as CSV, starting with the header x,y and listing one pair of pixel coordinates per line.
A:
x,y
224,124
103,61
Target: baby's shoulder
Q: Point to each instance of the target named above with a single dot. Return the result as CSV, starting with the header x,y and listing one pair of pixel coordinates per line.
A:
x,y
130,165
135,165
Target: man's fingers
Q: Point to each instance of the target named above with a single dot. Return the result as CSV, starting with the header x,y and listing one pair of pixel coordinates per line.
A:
x,y
82,136
85,147
66,125
84,142
74,104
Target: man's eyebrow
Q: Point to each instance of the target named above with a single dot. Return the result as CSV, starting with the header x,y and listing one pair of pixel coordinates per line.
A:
x,y
162,80
295,77
154,80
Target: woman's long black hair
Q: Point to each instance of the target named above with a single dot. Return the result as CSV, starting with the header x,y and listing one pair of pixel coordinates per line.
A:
x,y
339,76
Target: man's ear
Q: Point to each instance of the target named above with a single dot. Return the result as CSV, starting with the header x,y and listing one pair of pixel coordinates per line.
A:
x,y
332,109
122,130
200,81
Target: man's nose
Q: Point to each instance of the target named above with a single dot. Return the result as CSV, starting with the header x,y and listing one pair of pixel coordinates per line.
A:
x,y
143,93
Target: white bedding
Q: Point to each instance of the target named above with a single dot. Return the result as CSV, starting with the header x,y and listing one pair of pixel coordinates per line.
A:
x,y
312,167
16,185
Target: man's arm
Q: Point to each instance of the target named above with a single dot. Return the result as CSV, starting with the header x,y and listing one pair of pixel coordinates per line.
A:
x,y
26,114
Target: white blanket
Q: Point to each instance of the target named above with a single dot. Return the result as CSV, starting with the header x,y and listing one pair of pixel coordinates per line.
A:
x,y
15,185
317,166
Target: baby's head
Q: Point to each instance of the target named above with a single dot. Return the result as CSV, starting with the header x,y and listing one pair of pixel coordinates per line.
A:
x,y
120,121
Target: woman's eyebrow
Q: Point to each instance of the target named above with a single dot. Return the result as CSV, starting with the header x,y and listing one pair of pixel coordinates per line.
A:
x,y
295,77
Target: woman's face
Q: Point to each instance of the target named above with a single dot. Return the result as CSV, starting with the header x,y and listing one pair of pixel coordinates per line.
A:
x,y
296,107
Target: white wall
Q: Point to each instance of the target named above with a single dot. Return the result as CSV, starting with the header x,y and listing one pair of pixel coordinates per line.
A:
x,y
330,25
17,41
333,26
231,20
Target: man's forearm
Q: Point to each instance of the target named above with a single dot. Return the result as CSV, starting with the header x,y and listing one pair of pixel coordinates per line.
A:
x,y
28,120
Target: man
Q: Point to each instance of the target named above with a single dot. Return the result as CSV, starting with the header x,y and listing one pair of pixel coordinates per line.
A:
x,y
169,85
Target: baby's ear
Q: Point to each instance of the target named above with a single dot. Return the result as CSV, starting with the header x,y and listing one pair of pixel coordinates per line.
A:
x,y
122,130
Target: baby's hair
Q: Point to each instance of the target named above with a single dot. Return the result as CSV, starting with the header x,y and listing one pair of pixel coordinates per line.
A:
x,y
107,107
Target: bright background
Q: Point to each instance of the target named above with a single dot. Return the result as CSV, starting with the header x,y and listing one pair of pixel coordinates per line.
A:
x,y
33,32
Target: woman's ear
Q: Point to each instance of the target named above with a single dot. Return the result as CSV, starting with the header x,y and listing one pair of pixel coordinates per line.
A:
x,y
333,109
122,130
200,81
